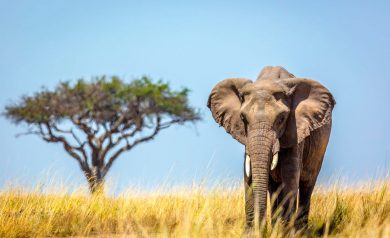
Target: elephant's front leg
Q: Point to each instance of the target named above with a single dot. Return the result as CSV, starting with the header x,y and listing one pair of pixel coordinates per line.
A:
x,y
305,191
290,172
249,202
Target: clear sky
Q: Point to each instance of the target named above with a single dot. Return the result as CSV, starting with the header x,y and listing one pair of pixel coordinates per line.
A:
x,y
342,44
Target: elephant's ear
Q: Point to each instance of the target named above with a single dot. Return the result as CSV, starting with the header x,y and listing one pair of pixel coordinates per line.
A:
x,y
311,108
224,103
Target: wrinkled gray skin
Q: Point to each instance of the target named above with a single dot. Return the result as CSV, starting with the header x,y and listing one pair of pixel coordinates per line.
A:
x,y
276,114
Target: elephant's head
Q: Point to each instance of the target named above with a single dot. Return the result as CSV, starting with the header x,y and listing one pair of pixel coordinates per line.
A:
x,y
276,111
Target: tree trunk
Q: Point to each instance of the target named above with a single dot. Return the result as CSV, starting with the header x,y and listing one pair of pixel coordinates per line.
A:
x,y
96,181
260,141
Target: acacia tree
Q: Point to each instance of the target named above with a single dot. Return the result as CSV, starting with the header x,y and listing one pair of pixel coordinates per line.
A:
x,y
97,121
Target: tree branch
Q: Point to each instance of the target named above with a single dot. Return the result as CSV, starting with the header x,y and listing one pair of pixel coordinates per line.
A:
x,y
129,146
49,136
88,131
124,135
70,131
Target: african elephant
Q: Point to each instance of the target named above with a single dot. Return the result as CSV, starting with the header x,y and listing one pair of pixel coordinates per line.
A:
x,y
278,117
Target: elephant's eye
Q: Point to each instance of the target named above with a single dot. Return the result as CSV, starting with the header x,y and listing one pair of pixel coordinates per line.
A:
x,y
279,95
242,98
280,120
243,118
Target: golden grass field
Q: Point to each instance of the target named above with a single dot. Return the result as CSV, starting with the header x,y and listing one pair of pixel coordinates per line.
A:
x,y
187,212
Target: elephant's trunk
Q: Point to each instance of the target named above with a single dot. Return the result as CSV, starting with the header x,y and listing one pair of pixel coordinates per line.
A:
x,y
260,141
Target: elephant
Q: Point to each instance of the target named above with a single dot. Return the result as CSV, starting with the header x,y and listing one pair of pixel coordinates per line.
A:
x,y
284,122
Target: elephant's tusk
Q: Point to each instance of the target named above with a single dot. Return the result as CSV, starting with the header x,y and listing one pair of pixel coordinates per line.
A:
x,y
247,165
274,161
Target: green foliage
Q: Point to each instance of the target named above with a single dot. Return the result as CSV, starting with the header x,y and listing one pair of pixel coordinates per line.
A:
x,y
104,100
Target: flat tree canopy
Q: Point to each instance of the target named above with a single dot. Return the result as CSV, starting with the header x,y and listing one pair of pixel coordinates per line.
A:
x,y
97,121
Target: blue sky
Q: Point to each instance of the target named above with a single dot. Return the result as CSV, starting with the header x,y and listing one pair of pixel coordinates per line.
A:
x,y
344,45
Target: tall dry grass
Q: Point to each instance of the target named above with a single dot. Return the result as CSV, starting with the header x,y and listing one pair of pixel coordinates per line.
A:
x,y
188,212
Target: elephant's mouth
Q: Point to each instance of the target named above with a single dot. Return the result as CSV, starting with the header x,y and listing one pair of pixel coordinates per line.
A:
x,y
274,161
273,165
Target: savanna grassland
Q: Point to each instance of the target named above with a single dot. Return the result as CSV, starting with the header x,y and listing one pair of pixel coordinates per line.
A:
x,y
188,212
